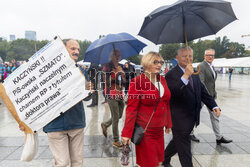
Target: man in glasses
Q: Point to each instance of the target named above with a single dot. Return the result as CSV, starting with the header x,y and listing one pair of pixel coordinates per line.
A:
x,y
208,77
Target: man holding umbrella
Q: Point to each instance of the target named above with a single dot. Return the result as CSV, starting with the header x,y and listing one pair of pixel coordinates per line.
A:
x,y
181,22
121,46
114,80
187,92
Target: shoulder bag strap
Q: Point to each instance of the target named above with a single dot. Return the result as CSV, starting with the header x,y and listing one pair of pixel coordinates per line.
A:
x,y
155,107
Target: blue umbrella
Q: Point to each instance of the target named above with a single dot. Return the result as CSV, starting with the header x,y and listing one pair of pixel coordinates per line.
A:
x,y
99,51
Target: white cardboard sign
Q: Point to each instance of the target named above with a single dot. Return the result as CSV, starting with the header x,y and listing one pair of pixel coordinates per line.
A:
x,y
45,86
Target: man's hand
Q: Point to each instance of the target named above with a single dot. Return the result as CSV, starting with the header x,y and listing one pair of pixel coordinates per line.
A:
x,y
83,66
22,128
167,130
217,112
126,140
89,86
189,70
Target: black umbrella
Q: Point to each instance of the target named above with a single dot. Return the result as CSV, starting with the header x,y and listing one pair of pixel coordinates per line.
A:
x,y
186,20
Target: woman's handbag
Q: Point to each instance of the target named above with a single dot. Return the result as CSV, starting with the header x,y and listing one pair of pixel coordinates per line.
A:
x,y
137,134
138,130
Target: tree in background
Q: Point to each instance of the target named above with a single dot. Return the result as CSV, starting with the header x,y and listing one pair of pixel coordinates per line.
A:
x,y
169,51
247,52
135,59
223,49
4,47
40,44
23,49
221,46
235,50
199,47
83,45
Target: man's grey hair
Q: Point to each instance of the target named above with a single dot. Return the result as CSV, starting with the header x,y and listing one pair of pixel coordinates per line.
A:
x,y
66,40
184,48
210,49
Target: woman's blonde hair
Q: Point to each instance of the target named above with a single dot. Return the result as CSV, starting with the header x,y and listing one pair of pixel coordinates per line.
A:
x,y
148,59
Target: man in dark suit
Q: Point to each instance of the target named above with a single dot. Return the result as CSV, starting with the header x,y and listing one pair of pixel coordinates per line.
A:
x,y
187,92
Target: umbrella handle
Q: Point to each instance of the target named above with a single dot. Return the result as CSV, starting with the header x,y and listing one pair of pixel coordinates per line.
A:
x,y
198,71
186,42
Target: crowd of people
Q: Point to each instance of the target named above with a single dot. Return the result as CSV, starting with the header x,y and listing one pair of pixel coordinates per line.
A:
x,y
181,96
7,68
157,104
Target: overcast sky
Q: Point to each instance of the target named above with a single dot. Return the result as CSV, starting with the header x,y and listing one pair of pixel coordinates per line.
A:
x,y
87,19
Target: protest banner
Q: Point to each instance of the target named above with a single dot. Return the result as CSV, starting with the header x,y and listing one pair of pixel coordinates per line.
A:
x,y
44,87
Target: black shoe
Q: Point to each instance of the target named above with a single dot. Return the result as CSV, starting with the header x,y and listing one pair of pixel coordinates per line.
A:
x,y
92,105
193,138
223,140
88,97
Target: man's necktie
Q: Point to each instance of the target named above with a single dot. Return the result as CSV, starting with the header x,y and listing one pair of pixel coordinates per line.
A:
x,y
191,82
214,74
213,68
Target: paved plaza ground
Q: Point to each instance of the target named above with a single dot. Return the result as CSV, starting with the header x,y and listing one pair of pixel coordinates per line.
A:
x,y
233,98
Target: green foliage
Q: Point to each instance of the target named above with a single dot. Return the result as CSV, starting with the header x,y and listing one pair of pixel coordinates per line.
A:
x,y
83,47
20,49
135,59
235,50
169,51
222,46
23,49
40,44
247,52
199,48
4,48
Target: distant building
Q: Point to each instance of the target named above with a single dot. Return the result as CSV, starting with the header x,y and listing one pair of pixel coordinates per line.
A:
x,y
30,35
12,37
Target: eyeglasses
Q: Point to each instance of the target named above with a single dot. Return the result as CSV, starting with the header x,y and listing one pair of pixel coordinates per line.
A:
x,y
158,62
210,55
